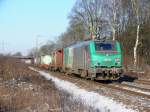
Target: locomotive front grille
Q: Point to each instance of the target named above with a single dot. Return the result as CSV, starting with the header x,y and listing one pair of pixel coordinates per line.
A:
x,y
107,63
109,70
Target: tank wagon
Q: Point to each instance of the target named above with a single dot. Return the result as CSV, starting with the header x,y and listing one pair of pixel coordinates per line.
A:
x,y
94,59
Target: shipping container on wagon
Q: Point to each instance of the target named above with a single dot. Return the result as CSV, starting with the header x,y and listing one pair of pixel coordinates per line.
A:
x,y
74,56
43,61
46,60
57,60
52,65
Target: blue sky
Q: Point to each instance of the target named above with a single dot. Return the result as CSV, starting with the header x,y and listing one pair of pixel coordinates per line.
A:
x,y
21,21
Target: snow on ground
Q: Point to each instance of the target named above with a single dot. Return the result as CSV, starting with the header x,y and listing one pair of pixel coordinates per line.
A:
x,y
90,99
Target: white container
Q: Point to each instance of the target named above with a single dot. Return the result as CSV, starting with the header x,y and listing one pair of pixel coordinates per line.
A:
x,y
46,60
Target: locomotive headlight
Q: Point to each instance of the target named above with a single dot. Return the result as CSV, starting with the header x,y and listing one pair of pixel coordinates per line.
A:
x,y
96,63
117,59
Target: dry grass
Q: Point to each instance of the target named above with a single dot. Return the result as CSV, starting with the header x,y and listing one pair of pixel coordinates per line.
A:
x,y
23,90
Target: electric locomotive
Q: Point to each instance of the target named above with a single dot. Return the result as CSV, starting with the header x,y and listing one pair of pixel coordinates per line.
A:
x,y
94,59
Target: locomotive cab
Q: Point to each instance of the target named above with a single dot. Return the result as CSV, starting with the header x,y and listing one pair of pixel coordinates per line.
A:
x,y
106,59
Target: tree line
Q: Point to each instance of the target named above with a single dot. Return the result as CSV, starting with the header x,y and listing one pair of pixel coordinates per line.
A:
x,y
127,21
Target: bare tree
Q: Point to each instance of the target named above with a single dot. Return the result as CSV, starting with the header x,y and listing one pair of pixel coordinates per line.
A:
x,y
47,48
32,52
136,8
139,10
112,11
89,13
17,54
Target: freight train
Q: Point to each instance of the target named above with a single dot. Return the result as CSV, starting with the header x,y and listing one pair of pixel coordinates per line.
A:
x,y
91,59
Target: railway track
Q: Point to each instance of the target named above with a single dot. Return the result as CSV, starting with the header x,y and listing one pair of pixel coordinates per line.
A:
x,y
132,89
143,82
129,89
142,92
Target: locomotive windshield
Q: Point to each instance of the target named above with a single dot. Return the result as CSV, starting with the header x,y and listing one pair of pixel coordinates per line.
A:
x,y
105,46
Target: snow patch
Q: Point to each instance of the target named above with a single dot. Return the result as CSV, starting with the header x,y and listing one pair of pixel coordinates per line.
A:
x,y
90,99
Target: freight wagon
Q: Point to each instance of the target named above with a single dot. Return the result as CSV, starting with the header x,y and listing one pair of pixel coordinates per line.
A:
x,y
43,61
94,59
57,60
